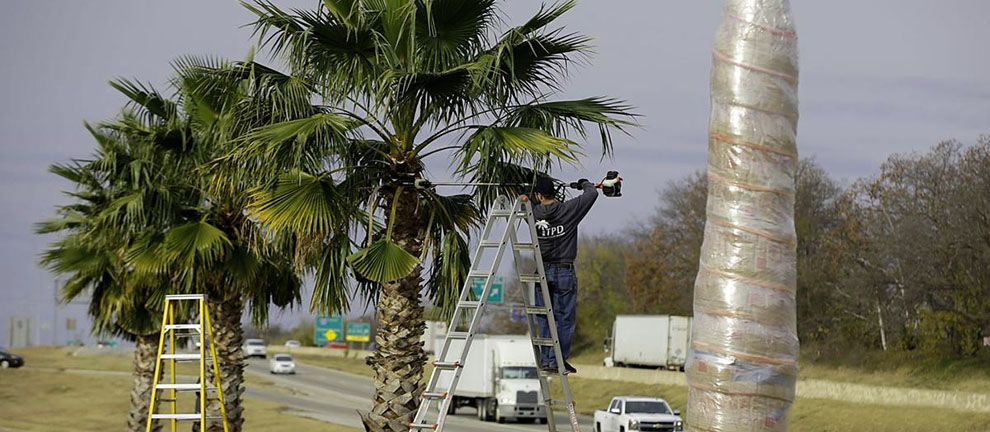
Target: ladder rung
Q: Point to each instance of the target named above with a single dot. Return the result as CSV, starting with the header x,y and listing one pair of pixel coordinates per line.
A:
x,y
537,310
530,278
182,327
183,387
479,274
185,297
180,356
524,246
469,304
543,342
506,213
446,365
182,417
491,244
430,426
427,395
458,335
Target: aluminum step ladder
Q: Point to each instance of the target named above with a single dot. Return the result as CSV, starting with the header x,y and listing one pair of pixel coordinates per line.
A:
x,y
438,403
201,332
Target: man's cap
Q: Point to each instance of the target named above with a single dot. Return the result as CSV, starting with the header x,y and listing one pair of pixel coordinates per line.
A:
x,y
544,186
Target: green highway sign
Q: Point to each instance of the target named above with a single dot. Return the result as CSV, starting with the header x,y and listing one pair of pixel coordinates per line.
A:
x,y
328,329
358,332
494,295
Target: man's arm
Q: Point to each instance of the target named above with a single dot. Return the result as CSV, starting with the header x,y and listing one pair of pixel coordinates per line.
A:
x,y
581,205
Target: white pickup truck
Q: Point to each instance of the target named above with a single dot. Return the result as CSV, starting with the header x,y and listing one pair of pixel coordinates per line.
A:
x,y
635,413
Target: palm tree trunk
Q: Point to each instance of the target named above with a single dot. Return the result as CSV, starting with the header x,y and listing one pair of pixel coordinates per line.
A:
x,y
228,338
398,361
144,373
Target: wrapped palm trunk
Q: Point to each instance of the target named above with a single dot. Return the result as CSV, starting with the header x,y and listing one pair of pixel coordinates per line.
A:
x,y
742,367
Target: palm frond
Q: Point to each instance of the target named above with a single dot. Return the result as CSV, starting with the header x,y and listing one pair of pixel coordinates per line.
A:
x,y
491,144
450,268
301,203
146,98
331,291
196,241
562,118
383,261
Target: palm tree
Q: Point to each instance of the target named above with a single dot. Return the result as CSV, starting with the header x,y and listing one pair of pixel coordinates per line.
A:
x,y
401,83
209,245
91,253
146,210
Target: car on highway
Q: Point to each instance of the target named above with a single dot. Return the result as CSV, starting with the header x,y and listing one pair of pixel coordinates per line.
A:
x,y
637,413
10,360
255,348
282,364
292,344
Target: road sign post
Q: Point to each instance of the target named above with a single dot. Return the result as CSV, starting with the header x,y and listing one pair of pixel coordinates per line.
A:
x,y
328,329
494,295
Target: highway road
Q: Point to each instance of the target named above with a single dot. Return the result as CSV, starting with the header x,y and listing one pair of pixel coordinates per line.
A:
x,y
335,397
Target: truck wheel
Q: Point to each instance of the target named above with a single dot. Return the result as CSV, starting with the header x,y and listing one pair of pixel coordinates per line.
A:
x,y
452,408
491,410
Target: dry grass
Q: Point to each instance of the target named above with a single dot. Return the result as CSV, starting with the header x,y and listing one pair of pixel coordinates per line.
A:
x,y
55,401
807,415
352,365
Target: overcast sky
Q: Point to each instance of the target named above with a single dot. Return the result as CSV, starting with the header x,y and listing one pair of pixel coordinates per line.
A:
x,y
877,77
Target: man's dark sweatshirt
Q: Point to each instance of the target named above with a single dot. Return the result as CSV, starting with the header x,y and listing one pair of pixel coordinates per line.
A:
x,y
557,222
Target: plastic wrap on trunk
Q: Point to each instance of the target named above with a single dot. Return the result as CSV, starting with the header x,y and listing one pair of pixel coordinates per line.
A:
x,y
742,367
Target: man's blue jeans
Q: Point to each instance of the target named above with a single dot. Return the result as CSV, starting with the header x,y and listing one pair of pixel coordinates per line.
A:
x,y
562,282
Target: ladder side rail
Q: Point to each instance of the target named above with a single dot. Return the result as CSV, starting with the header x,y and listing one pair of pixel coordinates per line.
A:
x,y
465,290
158,365
463,296
202,367
208,330
545,288
551,323
476,320
171,337
546,395
529,287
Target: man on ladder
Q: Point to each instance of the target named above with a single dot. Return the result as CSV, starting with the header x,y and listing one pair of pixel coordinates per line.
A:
x,y
556,227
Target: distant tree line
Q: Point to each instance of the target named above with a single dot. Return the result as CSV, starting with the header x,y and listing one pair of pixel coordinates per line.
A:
x,y
896,261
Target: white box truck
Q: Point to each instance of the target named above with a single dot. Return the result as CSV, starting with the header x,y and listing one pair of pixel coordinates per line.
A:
x,y
499,378
434,330
659,341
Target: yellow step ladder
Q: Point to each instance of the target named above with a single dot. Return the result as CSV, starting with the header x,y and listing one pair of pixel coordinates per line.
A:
x,y
200,331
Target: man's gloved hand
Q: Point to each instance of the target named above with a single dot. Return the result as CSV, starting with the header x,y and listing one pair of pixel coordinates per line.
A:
x,y
579,184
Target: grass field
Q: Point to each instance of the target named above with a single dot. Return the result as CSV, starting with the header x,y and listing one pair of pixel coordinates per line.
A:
x,y
807,415
66,405
55,400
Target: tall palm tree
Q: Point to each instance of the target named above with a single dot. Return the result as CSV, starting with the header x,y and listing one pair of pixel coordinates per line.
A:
x,y
147,210
209,245
92,250
400,83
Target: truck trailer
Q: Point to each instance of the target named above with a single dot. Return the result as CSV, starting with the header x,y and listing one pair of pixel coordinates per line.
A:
x,y
499,379
659,341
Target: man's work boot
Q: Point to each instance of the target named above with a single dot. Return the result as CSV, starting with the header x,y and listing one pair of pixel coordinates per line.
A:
x,y
570,369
